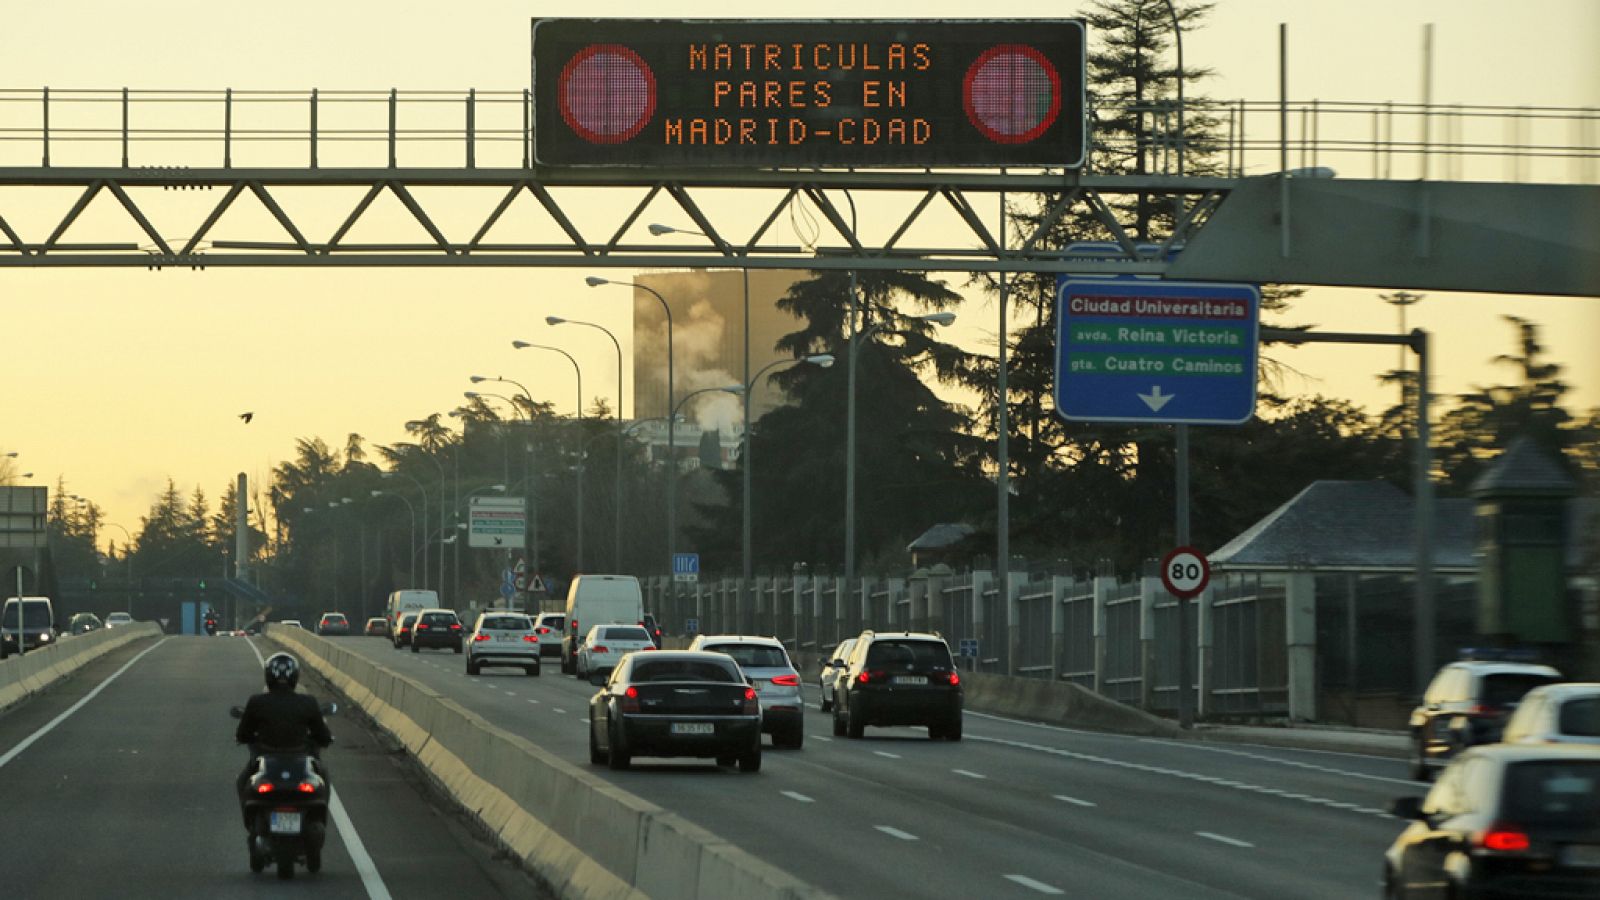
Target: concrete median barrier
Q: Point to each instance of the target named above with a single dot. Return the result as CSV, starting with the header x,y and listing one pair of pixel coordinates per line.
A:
x,y
27,674
584,836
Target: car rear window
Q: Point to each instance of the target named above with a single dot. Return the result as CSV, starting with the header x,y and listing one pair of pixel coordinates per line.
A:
x,y
1581,717
1554,792
439,618
337,620
908,655
684,670
1506,688
625,634
507,623
754,656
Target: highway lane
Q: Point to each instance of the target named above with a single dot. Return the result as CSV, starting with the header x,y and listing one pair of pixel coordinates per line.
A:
x,y
1016,809
131,795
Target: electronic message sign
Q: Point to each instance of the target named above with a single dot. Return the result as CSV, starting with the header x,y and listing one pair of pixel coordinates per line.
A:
x,y
809,93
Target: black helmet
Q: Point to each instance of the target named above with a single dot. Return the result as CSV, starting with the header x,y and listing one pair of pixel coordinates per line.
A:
x,y
283,672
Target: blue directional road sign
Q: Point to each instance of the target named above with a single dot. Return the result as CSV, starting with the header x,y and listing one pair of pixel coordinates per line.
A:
x,y
686,567
1137,350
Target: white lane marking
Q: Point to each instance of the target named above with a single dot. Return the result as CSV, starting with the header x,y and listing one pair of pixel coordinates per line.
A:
x,y
1039,886
1235,842
794,796
896,833
886,755
969,774
1141,767
50,726
559,710
1073,800
1262,757
818,737
511,693
370,879
533,701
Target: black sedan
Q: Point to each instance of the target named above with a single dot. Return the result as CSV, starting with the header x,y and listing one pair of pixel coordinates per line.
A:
x,y
1503,821
676,703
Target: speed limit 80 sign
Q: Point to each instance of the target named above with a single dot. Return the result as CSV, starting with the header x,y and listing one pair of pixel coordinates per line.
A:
x,y
1185,572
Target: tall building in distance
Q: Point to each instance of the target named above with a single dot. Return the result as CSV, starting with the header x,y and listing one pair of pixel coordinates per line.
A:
x,y
708,347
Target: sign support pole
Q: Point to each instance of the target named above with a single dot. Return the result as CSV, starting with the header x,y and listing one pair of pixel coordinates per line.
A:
x,y
1185,651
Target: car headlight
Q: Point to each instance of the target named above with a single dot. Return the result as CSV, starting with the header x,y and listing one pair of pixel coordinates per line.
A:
x,y
44,638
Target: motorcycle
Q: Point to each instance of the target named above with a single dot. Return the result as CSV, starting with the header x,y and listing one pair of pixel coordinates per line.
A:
x,y
286,804
211,627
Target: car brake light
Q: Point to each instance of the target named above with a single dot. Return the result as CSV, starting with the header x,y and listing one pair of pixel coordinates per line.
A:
x,y
455,627
599,648
543,630
749,693
264,788
1504,839
422,627
630,700
752,706
648,647
867,677
480,637
787,680
1479,709
306,787
531,638
954,678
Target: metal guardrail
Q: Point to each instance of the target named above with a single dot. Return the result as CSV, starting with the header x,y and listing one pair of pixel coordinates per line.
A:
x,y
228,128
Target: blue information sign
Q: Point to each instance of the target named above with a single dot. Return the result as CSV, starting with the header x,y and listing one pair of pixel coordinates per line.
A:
x,y
1139,350
686,567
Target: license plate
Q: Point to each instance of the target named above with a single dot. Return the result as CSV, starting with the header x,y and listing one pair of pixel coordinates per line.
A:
x,y
911,679
693,728
285,822
1584,855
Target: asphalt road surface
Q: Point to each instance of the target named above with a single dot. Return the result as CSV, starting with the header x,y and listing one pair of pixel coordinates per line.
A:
x,y
118,782
1013,810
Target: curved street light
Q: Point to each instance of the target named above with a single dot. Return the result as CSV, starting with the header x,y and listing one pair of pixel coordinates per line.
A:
x,y
942,319
424,492
413,511
578,371
672,442
616,539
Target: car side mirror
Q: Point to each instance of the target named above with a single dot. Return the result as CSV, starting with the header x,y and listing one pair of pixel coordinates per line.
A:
x,y
236,711
599,679
1407,808
330,709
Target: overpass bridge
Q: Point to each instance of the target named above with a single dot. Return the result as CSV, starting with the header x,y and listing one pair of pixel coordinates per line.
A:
x,y
109,157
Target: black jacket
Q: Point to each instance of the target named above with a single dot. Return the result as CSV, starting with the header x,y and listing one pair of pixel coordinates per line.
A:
x,y
283,721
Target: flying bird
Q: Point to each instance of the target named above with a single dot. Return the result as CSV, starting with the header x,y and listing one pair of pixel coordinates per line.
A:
x,y
247,417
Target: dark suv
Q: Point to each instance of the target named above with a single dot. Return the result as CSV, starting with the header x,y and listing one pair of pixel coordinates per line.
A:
x,y
1468,704
436,628
903,678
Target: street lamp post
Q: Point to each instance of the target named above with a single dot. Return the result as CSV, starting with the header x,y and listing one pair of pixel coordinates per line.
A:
x,y
672,443
440,466
413,511
524,345
127,554
616,552
424,492
937,318
747,460
531,496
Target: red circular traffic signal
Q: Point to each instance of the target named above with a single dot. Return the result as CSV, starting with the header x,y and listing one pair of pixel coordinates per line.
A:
x,y
607,93
1012,94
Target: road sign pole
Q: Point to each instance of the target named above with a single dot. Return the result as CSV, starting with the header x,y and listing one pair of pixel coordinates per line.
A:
x,y
1185,652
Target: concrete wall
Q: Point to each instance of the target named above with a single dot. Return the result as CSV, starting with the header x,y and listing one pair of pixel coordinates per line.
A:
x,y
584,836
28,674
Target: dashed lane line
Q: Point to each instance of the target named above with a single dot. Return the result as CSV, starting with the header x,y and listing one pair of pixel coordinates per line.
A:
x,y
969,774
802,798
1039,886
886,754
1263,757
1174,773
1073,800
1224,839
896,833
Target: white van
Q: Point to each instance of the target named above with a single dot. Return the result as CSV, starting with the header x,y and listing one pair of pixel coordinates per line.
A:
x,y
38,625
598,600
409,600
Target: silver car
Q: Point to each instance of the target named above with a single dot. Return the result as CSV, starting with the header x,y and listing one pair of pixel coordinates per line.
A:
x,y
1567,713
832,671
766,663
503,639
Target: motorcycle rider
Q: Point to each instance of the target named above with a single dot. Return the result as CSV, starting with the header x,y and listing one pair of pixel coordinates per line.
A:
x,y
281,720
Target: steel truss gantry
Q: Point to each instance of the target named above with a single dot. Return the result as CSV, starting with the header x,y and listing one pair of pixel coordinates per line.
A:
x,y
972,245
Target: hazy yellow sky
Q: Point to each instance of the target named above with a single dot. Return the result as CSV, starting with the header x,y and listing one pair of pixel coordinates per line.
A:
x,y
118,379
